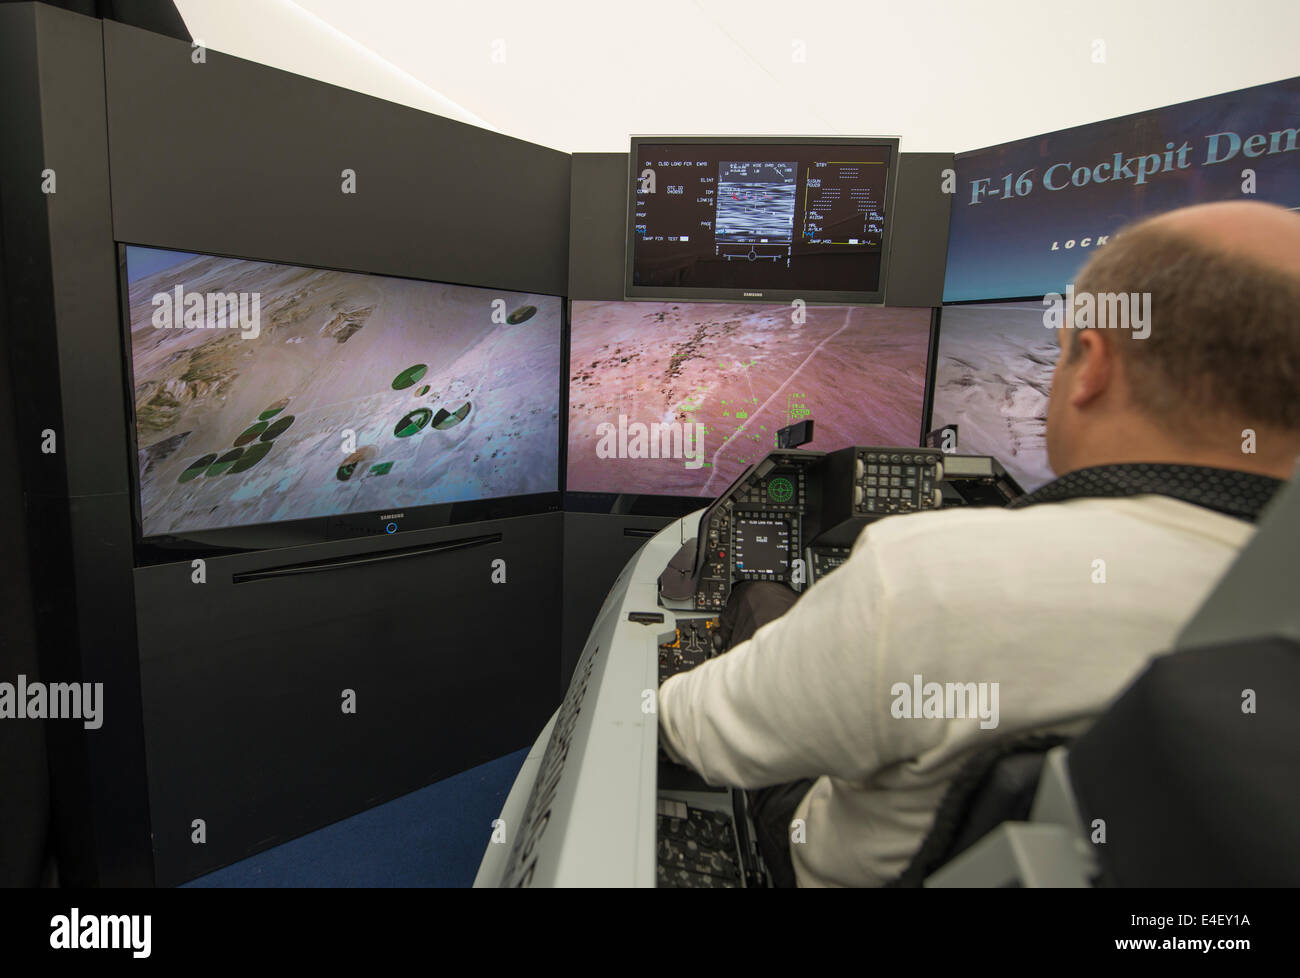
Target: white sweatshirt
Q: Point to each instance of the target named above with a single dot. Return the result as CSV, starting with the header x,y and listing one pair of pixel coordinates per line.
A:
x,y
1060,604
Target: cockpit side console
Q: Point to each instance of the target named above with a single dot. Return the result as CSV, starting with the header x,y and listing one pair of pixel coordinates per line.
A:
x,y
597,802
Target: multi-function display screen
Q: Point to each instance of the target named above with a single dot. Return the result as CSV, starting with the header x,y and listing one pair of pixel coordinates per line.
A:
x,y
758,219
762,546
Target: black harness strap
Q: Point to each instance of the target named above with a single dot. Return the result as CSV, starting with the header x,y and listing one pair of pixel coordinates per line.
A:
x,y
1239,494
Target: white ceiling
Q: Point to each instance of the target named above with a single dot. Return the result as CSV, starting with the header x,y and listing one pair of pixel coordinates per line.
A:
x,y
583,75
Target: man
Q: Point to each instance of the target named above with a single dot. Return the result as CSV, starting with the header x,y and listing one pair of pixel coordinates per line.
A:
x,y
1166,446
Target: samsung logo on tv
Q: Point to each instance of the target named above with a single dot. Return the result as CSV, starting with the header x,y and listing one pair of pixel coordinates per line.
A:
x,y
756,295
391,516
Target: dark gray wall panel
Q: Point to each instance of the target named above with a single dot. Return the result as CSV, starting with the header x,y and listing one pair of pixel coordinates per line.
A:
x,y
25,800
919,251
597,225
63,342
243,682
233,157
596,549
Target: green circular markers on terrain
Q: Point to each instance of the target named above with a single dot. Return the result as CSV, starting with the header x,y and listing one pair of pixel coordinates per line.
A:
x,y
521,315
412,422
273,409
277,428
350,464
220,466
250,433
444,420
196,468
251,457
409,376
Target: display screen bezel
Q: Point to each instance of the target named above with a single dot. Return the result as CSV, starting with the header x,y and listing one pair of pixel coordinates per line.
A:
x,y
670,505
830,297
163,548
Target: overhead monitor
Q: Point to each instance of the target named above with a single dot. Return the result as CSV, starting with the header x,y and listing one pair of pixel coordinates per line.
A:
x,y
677,399
741,218
266,394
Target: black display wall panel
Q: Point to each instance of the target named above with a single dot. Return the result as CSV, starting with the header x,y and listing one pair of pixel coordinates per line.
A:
x,y
597,547
63,346
235,158
597,225
243,682
223,157
25,801
919,250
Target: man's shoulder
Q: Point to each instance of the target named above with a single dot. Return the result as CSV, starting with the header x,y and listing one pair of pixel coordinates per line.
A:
x,y
975,561
976,519
1068,518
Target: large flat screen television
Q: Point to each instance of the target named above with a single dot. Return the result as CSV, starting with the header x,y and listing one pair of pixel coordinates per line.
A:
x,y
992,377
739,218
676,399
267,396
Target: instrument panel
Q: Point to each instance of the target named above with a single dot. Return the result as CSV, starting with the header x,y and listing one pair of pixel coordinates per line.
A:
x,y
754,530
693,641
823,560
896,481
758,528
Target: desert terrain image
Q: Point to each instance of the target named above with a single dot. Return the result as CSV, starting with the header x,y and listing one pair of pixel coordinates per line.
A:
x,y
743,371
992,380
234,431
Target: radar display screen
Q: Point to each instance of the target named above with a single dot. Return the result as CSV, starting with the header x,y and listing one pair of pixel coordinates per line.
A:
x,y
779,488
762,546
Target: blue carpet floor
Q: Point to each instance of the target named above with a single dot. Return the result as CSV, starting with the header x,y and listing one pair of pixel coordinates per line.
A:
x,y
432,837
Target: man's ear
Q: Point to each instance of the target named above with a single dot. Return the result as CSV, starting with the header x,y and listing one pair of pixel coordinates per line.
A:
x,y
1092,356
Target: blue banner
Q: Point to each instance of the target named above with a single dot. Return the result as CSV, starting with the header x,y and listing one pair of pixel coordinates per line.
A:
x,y
1026,215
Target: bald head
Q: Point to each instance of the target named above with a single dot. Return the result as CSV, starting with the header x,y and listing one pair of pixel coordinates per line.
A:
x,y
1212,376
1263,233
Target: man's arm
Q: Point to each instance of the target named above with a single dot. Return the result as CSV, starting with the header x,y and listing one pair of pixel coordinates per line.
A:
x,y
797,700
